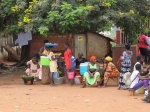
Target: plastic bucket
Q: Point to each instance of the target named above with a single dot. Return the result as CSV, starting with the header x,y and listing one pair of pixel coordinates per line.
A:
x,y
70,75
55,75
58,80
140,90
78,80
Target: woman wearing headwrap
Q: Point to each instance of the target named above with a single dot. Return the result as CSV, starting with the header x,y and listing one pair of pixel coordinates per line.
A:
x,y
110,70
92,77
125,65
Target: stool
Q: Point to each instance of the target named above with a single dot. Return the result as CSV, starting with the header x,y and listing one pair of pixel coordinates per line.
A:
x,y
132,93
113,81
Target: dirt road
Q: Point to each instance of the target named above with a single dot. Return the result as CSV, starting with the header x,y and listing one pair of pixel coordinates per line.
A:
x,y
17,97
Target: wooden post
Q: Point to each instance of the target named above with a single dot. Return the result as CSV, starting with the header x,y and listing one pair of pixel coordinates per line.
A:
x,y
45,75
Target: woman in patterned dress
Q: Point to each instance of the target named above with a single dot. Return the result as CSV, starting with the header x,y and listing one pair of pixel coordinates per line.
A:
x,y
125,65
110,70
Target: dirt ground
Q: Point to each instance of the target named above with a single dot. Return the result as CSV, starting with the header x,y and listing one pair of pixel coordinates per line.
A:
x,y
17,97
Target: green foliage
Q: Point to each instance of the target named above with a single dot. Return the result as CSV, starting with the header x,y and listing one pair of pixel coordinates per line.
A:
x,y
73,16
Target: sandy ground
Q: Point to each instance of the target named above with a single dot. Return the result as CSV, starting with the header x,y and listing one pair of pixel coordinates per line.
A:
x,y
17,97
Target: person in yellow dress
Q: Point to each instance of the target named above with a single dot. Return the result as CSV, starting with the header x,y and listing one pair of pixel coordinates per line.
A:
x,y
110,70
53,64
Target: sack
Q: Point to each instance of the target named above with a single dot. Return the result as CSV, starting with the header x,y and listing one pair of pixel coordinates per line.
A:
x,y
126,79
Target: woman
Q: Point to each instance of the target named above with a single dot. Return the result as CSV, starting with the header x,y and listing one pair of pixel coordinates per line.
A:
x,y
125,65
137,81
92,77
67,58
110,70
43,51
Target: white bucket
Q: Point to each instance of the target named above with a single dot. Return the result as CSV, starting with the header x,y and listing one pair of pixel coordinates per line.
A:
x,y
140,90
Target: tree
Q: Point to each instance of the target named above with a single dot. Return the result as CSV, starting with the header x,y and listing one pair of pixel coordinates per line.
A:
x,y
73,16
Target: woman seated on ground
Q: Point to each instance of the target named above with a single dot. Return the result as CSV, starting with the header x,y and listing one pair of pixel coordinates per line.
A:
x,y
33,67
110,70
137,80
92,77
80,59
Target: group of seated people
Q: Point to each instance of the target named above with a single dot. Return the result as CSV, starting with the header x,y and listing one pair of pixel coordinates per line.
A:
x,y
139,77
94,77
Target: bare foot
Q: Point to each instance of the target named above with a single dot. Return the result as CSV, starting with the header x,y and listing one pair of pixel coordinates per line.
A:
x,y
84,86
103,86
52,84
99,86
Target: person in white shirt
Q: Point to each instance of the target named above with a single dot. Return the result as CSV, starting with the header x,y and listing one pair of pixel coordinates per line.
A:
x,y
138,80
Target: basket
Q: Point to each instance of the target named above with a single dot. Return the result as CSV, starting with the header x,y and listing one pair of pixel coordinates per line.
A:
x,y
28,80
58,80
70,75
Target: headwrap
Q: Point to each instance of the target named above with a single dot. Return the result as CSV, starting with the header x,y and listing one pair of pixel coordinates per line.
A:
x,y
108,58
91,58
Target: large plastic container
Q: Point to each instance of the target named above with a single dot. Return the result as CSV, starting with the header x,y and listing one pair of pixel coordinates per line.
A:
x,y
83,68
44,61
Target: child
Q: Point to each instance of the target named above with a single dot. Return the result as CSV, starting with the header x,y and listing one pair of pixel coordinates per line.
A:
x,y
53,64
138,80
33,67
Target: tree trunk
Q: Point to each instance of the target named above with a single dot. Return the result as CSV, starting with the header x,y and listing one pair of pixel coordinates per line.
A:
x,y
24,56
12,52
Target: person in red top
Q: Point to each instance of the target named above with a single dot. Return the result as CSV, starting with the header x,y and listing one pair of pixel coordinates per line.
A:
x,y
143,46
67,58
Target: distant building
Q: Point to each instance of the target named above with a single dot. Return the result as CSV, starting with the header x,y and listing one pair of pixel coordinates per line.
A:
x,y
122,39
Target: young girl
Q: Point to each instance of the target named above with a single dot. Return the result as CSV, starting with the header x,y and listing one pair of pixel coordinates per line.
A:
x,y
33,67
53,64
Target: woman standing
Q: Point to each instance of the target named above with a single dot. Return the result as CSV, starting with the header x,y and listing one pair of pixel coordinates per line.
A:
x,y
125,65
67,58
